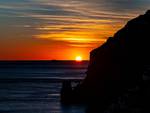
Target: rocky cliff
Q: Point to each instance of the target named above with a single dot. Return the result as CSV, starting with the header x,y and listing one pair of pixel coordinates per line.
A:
x,y
118,65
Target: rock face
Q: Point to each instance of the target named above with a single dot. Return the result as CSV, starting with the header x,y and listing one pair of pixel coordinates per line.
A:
x,y
118,64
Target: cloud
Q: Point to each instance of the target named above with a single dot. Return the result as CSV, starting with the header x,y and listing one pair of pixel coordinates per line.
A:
x,y
71,20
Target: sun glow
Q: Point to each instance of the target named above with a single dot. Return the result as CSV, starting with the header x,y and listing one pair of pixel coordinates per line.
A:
x,y
78,58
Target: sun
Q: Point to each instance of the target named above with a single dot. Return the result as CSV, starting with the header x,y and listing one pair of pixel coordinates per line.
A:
x,y
78,58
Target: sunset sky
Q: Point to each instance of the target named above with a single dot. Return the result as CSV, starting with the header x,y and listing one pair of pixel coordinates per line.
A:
x,y
61,29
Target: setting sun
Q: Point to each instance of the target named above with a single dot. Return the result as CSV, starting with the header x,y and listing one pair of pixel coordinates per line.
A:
x,y
78,58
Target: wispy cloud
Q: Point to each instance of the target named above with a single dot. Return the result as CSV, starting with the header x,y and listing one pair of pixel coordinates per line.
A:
x,y
75,22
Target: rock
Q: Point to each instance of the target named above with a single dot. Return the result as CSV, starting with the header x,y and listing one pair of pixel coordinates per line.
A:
x,y
117,65
66,92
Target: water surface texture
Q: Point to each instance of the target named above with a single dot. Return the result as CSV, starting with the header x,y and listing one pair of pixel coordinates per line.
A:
x,y
35,96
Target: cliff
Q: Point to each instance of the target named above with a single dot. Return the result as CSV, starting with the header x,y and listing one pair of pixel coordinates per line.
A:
x,y
118,65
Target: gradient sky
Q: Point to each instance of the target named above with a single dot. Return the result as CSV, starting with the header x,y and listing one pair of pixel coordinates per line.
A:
x,y
61,29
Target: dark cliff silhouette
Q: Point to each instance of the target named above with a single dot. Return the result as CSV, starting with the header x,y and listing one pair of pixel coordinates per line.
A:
x,y
116,66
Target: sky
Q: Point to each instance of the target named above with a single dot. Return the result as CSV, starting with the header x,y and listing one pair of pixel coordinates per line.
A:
x,y
61,29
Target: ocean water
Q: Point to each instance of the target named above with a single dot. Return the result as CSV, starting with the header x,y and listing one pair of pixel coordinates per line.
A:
x,y
34,86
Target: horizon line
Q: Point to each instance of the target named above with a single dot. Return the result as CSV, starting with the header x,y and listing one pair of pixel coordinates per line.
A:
x,y
40,60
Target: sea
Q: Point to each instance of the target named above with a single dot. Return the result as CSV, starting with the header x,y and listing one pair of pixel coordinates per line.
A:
x,y
34,86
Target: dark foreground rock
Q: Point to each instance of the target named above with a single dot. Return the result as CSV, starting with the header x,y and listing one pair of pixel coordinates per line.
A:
x,y
117,66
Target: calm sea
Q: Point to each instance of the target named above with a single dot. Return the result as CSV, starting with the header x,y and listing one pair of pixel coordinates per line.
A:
x,y
34,86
